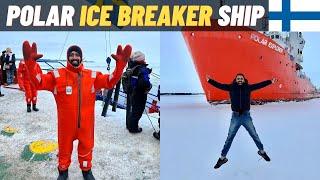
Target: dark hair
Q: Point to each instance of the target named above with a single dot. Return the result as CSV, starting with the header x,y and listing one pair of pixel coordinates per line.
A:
x,y
240,74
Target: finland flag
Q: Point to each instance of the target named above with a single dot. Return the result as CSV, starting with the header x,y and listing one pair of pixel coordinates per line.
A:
x,y
294,15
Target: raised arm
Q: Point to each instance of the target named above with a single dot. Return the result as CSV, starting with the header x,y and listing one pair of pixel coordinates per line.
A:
x,y
225,87
108,81
260,85
33,71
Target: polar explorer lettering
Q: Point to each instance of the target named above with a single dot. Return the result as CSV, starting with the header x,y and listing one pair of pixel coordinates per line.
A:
x,y
240,92
74,89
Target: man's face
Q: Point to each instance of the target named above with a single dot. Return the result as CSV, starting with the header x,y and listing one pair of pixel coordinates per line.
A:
x,y
240,79
74,59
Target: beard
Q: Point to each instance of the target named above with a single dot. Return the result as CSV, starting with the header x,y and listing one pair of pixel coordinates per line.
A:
x,y
75,62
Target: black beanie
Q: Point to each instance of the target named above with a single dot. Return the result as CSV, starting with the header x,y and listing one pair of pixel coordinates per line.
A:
x,y
76,49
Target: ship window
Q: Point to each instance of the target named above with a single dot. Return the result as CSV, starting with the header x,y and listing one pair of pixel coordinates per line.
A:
x,y
272,36
277,36
300,34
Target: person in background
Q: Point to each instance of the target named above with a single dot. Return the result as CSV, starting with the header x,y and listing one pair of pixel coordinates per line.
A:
x,y
157,134
29,88
10,67
240,92
140,86
3,68
0,78
0,92
1,64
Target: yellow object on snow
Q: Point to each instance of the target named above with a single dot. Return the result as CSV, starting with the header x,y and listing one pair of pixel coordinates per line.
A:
x,y
40,150
9,131
43,146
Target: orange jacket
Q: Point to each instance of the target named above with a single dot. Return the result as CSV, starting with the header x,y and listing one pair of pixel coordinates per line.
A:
x,y
74,90
23,76
25,83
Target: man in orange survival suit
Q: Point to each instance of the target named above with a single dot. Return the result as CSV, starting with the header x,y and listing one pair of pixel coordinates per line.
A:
x,y
74,91
28,87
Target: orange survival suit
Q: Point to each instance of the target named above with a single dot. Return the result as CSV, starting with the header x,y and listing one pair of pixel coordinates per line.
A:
x,y
25,83
74,91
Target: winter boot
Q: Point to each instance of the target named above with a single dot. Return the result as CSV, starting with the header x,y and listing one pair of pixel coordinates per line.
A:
x,y
220,162
87,175
63,175
137,130
156,135
264,155
1,94
34,107
28,107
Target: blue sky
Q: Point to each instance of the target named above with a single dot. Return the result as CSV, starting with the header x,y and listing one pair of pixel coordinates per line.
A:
x,y
311,56
178,72
179,75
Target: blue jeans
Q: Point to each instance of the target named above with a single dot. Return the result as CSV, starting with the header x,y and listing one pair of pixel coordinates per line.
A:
x,y
236,121
10,74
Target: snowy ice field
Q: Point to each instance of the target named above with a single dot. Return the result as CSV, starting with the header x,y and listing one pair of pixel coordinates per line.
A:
x,y
117,153
193,134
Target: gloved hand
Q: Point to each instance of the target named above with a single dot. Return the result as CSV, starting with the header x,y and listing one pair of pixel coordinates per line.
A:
x,y
122,57
30,55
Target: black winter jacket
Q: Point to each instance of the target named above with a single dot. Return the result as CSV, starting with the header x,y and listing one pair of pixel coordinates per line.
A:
x,y
240,94
6,59
142,84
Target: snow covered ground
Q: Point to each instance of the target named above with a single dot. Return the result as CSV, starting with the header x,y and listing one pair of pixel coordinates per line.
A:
x,y
117,153
193,134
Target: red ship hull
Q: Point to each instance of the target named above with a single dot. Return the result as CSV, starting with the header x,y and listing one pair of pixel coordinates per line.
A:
x,y
223,54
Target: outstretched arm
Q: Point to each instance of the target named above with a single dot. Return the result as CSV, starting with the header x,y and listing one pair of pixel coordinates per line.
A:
x,y
33,71
44,81
108,81
261,84
225,87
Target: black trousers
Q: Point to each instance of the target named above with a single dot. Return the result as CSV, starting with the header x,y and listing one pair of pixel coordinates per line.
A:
x,y
4,76
135,107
